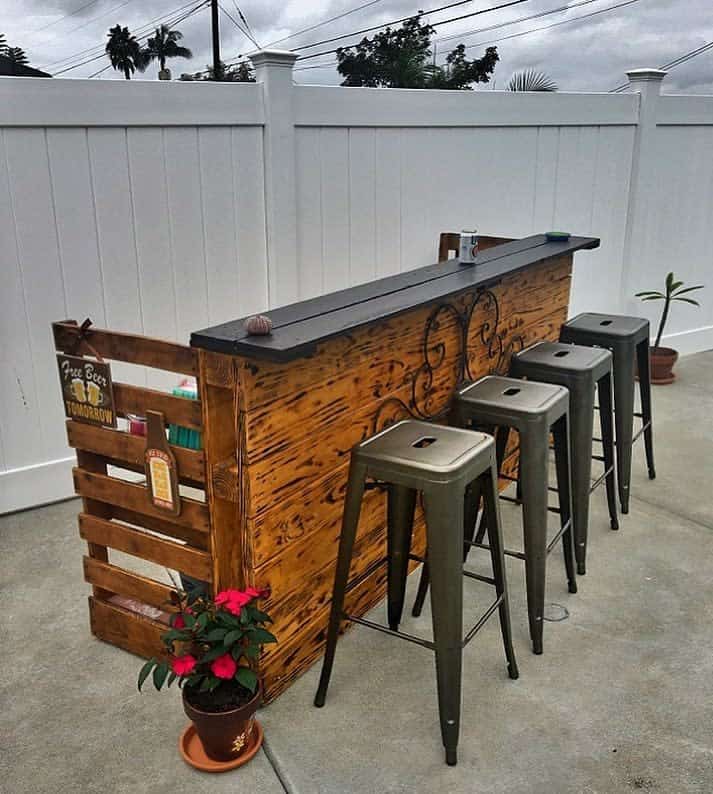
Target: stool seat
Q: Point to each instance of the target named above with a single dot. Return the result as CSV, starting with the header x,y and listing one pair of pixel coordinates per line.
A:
x,y
411,446
512,401
557,357
610,325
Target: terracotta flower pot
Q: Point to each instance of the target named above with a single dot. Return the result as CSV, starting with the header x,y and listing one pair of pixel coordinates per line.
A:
x,y
662,361
224,734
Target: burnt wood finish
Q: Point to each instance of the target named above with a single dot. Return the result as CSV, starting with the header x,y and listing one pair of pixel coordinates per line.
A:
x,y
292,423
279,416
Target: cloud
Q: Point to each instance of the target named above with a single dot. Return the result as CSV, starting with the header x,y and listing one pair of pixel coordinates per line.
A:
x,y
591,54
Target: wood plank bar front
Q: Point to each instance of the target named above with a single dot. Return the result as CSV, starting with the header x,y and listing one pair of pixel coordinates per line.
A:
x,y
278,435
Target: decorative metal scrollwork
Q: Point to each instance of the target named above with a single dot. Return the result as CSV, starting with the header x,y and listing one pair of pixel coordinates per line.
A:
x,y
425,401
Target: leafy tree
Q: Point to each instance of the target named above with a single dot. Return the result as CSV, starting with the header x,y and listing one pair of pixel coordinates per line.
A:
x,y
674,292
17,56
163,45
240,73
530,80
401,58
124,51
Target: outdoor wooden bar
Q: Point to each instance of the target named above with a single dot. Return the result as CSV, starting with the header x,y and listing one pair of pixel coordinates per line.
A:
x,y
280,414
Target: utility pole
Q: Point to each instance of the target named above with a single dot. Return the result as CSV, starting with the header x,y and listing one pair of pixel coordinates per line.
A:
x,y
216,38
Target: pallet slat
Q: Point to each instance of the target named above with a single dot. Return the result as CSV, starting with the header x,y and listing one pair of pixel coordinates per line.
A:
x,y
121,446
194,515
127,583
181,411
128,630
148,547
131,348
197,538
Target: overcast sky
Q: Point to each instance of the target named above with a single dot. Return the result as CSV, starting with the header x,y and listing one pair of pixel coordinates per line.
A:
x,y
588,54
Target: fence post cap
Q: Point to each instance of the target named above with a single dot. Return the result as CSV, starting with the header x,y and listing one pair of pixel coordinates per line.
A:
x,y
646,75
280,58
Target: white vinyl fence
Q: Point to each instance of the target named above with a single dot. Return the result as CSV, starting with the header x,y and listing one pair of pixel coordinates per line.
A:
x,y
165,207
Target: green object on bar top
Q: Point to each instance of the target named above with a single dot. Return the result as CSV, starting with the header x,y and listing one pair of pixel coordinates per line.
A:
x,y
557,236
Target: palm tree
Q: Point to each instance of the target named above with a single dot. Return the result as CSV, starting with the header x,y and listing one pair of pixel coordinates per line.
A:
x,y
163,45
530,80
124,51
17,56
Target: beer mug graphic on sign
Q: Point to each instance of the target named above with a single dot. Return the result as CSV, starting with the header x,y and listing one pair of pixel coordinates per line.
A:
x,y
95,394
78,390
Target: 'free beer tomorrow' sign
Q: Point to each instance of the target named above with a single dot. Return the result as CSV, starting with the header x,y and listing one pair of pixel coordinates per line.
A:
x,y
87,390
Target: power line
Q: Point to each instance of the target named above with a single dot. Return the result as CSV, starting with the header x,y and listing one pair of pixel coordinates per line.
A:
x,y
515,21
311,27
233,20
66,16
247,24
414,16
137,30
674,63
553,25
404,19
94,19
140,38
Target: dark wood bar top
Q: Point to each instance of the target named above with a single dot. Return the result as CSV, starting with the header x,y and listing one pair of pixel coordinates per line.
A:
x,y
299,327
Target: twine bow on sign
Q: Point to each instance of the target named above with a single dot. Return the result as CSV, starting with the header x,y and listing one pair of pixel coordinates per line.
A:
x,y
83,336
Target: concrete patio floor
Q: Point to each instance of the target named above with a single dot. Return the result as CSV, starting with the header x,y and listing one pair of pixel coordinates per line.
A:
x,y
619,702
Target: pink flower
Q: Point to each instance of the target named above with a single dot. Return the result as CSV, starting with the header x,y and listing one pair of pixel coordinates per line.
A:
x,y
224,666
179,622
183,665
232,600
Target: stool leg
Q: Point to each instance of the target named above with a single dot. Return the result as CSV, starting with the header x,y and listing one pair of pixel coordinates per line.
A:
x,y
350,522
495,536
644,365
470,516
624,419
401,506
444,526
606,422
501,441
564,473
533,475
581,413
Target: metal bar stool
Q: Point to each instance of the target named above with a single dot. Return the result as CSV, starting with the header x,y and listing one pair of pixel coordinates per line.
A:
x,y
534,410
628,340
581,370
442,463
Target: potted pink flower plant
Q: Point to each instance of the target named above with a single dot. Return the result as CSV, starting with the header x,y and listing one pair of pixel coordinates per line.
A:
x,y
212,646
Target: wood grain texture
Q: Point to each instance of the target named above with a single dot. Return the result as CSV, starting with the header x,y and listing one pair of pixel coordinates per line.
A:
x,y
127,583
298,422
146,546
128,630
131,348
122,446
112,491
181,411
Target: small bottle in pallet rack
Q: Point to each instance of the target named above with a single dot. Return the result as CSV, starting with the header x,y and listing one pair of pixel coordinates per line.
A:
x,y
468,251
160,464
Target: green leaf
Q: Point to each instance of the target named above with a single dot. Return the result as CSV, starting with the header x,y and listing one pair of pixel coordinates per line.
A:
x,y
689,289
159,675
247,678
649,292
171,678
189,620
676,285
237,651
232,636
216,634
205,684
145,670
251,651
214,684
669,281
687,300
202,620
261,636
262,617
654,298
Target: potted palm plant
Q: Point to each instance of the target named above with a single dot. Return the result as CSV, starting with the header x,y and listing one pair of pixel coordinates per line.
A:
x,y
212,645
663,358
